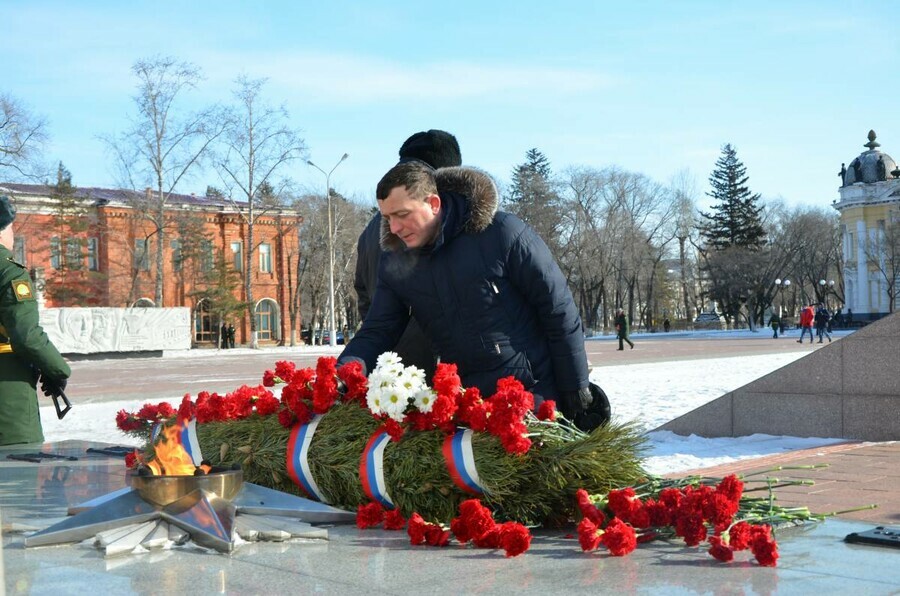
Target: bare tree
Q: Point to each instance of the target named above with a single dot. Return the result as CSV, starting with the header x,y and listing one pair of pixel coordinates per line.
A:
x,y
22,139
160,149
258,145
684,188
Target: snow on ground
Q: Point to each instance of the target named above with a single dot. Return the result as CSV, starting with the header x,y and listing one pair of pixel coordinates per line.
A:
x,y
650,394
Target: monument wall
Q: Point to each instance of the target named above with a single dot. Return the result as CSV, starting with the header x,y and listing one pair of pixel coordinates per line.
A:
x,y
96,330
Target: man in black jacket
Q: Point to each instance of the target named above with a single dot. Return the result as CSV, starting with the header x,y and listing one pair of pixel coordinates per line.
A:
x,y
482,284
439,149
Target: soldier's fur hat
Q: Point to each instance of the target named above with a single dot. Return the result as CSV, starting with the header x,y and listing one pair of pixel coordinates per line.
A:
x,y
437,148
7,212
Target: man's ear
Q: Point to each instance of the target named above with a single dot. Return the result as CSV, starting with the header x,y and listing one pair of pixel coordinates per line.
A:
x,y
435,201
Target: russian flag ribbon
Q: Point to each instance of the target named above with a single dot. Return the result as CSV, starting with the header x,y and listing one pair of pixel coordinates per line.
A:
x,y
189,441
460,460
371,469
187,437
298,458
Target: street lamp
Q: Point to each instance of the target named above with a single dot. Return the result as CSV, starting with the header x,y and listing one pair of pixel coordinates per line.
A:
x,y
825,292
781,285
332,335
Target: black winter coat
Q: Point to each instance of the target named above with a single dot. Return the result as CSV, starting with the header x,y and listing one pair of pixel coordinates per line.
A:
x,y
488,294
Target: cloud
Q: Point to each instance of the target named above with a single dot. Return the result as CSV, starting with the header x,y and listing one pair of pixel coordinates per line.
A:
x,y
352,79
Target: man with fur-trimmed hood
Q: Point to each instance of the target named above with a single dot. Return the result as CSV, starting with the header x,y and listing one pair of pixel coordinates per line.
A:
x,y
483,286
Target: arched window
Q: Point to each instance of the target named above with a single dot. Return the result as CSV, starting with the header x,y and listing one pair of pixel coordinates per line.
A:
x,y
203,325
143,303
267,325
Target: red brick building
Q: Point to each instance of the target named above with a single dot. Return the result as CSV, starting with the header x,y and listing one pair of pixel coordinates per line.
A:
x,y
97,247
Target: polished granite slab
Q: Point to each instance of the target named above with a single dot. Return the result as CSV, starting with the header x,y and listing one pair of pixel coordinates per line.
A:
x,y
814,558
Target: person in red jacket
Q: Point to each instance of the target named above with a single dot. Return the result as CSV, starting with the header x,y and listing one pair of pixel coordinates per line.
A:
x,y
807,315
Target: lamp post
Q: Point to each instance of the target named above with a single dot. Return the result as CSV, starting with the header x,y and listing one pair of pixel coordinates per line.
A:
x,y
781,285
332,335
827,288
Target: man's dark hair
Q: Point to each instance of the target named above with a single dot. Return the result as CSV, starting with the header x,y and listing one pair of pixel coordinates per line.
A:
x,y
437,148
415,176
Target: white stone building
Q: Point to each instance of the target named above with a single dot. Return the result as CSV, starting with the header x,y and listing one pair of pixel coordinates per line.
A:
x,y
869,204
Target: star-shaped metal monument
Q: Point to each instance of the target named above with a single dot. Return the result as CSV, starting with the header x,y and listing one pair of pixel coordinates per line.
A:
x,y
209,519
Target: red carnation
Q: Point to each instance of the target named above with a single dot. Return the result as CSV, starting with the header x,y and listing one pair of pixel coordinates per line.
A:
x,y
619,538
719,550
267,404
132,459
369,515
765,549
731,487
356,382
588,534
547,410
587,508
478,518
268,379
286,418
394,520
187,409
621,502
436,535
284,370
689,525
514,538
460,530
739,536
416,529
489,540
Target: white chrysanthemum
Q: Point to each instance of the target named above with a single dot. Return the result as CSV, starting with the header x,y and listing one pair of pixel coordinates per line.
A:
x,y
388,359
375,400
424,399
394,402
413,379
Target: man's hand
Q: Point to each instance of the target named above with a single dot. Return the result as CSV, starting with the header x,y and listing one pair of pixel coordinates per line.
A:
x,y
596,413
53,387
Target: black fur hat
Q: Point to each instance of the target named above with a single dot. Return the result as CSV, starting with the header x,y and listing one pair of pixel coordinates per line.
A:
x,y
437,148
7,212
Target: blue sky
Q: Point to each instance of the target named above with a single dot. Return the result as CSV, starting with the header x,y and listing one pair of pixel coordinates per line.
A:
x,y
653,87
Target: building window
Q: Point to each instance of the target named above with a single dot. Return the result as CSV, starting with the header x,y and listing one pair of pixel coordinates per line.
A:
x,y
237,253
206,256
141,256
54,253
93,262
267,319
74,259
177,259
19,250
265,258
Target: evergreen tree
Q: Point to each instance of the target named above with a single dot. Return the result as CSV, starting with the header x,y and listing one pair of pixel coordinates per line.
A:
x,y
532,197
735,219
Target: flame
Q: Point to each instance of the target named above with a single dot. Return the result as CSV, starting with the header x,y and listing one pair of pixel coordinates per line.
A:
x,y
171,458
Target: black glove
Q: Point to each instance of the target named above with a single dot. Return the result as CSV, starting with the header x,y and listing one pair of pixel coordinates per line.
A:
x,y
53,387
571,403
596,413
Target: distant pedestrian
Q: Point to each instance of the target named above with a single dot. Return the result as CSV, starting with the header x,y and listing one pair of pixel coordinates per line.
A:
x,y
849,317
807,316
666,324
230,335
622,329
223,336
775,324
822,317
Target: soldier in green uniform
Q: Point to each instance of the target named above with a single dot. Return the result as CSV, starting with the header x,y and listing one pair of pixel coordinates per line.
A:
x,y
25,350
